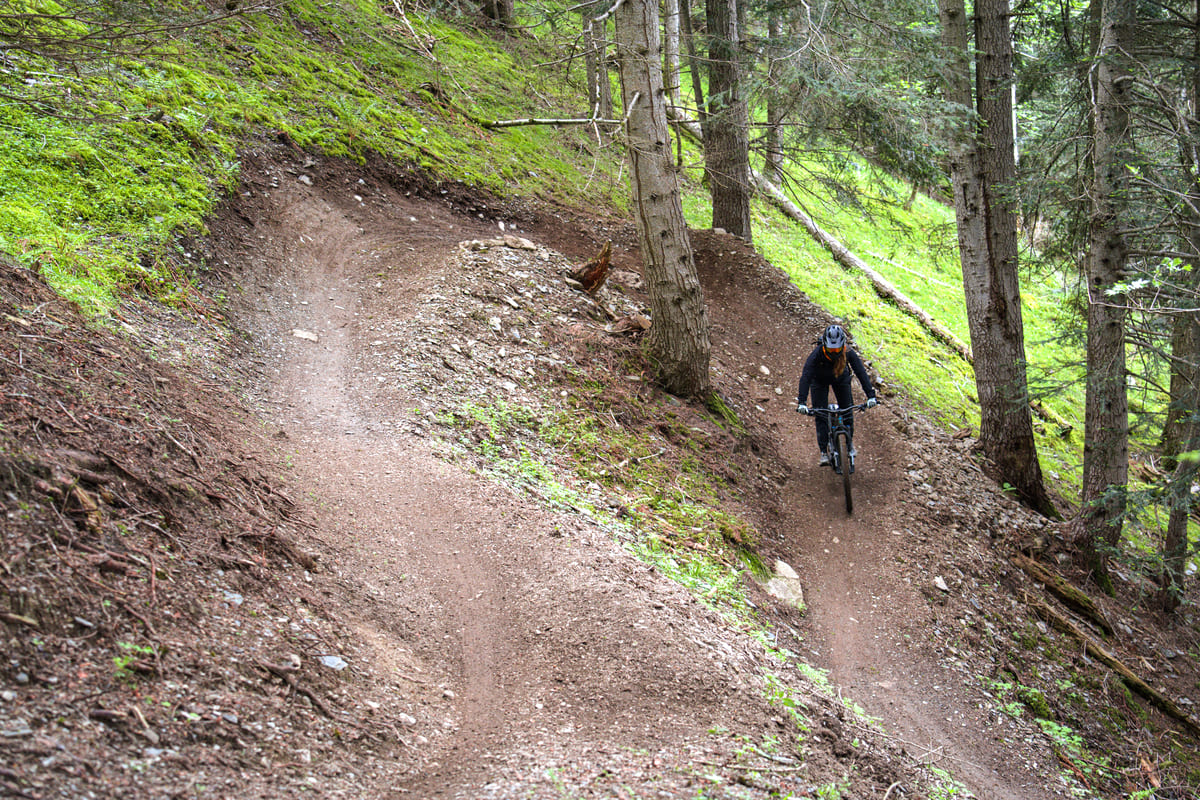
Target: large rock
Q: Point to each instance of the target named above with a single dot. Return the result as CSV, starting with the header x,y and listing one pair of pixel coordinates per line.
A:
x,y
785,585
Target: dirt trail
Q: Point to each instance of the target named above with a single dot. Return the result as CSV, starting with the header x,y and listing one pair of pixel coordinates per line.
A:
x,y
529,637
868,620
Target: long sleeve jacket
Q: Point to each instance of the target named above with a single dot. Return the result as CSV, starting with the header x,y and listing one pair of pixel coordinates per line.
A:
x,y
818,368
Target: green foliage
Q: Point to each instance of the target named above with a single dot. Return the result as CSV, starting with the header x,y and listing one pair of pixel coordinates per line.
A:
x,y
778,694
1035,701
129,653
945,787
835,791
95,204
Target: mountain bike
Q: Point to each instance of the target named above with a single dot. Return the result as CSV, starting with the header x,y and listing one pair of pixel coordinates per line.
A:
x,y
840,448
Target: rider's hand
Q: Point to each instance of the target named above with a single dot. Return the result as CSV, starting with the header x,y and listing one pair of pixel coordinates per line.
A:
x,y
872,402
802,409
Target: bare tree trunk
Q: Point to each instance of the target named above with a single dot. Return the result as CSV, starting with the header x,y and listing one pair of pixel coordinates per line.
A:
x,y
726,130
500,11
773,162
1181,434
1106,417
984,176
689,38
1181,431
671,50
679,337
595,45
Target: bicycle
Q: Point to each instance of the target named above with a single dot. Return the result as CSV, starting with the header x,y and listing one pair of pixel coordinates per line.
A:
x,y
840,448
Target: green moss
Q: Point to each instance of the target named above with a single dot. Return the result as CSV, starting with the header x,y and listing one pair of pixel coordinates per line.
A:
x,y
1035,701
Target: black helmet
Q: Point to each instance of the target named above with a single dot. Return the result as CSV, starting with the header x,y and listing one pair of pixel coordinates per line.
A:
x,y
833,340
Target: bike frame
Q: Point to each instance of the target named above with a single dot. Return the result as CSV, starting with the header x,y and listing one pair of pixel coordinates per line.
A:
x,y
840,443
837,427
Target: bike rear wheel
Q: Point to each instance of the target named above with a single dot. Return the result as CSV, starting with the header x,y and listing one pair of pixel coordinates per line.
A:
x,y
843,453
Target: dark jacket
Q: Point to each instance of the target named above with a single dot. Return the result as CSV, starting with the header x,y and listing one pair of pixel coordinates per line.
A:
x,y
819,369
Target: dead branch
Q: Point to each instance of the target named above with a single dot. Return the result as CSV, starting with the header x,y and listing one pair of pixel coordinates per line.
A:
x,y
512,123
291,681
1048,414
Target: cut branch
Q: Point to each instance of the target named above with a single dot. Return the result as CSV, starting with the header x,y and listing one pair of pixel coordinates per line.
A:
x,y
512,123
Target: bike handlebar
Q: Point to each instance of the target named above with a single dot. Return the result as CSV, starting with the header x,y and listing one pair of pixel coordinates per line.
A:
x,y
812,412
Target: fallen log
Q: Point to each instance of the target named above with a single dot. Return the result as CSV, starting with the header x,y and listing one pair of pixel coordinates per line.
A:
x,y
1097,651
850,261
1071,596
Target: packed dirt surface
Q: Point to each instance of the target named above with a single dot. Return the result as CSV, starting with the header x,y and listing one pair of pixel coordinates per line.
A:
x,y
325,589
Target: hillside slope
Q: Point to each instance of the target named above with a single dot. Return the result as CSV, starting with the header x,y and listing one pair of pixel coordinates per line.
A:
x,y
284,564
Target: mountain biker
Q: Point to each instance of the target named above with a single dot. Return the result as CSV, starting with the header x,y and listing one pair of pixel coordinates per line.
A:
x,y
828,366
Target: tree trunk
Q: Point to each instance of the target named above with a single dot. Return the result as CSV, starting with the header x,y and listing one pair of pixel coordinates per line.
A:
x,y
693,60
726,129
983,172
1181,431
773,161
500,11
671,50
1106,416
679,336
595,45
1181,434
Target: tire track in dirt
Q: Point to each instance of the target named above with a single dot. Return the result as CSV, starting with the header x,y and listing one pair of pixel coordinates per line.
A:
x,y
424,524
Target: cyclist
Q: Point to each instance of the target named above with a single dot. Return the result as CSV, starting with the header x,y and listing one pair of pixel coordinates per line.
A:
x,y
828,366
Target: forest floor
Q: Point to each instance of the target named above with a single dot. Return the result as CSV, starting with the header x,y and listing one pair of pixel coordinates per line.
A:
x,y
262,564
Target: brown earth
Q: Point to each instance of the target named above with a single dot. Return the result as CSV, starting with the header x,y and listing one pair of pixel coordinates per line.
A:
x,y
274,559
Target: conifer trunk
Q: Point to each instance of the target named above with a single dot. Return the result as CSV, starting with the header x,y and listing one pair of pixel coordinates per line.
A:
x,y
679,334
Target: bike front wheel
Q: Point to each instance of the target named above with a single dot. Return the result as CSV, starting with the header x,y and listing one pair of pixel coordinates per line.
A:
x,y
843,453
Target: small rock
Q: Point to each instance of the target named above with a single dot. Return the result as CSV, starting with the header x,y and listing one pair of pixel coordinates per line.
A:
x,y
333,662
941,584
406,719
